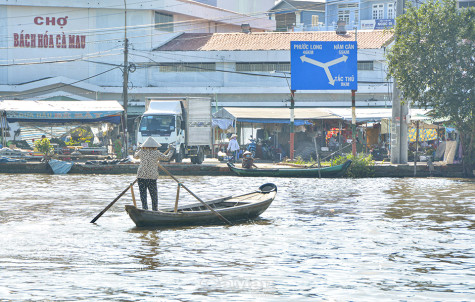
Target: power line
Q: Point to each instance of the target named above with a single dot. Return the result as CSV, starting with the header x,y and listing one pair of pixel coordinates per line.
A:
x,y
82,58
175,23
102,7
55,88
191,21
219,70
112,30
244,73
102,41
120,28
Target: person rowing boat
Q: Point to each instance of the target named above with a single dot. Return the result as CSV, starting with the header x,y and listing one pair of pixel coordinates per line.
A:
x,y
147,173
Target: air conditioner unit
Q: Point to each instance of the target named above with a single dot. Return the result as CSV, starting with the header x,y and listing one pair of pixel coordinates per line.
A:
x,y
341,27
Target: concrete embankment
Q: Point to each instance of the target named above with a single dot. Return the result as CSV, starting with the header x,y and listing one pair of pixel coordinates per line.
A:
x,y
422,170
214,167
81,168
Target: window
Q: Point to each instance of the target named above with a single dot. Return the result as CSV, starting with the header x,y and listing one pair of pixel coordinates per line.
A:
x,y
378,11
285,21
187,67
365,65
349,5
344,11
391,11
163,22
157,125
464,4
344,15
314,20
263,67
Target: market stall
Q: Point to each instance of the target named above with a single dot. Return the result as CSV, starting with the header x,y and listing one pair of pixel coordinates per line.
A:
x,y
270,126
30,120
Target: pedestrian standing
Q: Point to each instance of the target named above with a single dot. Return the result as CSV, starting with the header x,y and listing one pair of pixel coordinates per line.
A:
x,y
147,173
118,146
233,146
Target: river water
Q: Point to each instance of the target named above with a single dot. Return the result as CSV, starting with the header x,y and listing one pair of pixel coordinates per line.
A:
x,y
321,239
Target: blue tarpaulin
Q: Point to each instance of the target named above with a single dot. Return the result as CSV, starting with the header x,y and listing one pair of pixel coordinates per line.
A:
x,y
60,167
62,112
5,159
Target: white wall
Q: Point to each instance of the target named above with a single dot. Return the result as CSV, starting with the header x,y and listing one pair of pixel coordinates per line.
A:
x,y
234,89
100,32
102,29
246,6
4,59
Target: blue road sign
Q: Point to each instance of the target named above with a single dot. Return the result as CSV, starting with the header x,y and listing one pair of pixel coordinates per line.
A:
x,y
323,65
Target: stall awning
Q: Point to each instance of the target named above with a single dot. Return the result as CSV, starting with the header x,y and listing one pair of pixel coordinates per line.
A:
x,y
375,114
363,114
274,115
62,112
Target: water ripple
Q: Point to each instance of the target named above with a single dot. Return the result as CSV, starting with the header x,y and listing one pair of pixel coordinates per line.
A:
x,y
329,239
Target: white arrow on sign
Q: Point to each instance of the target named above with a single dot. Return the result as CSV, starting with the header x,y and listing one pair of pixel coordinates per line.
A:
x,y
325,65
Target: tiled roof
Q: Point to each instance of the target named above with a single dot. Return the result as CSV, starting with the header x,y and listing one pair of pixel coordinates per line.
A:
x,y
271,40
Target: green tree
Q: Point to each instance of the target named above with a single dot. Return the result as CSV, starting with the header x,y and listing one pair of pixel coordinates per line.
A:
x,y
43,145
361,165
433,62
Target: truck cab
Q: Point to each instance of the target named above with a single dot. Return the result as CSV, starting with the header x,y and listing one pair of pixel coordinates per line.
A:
x,y
183,122
162,121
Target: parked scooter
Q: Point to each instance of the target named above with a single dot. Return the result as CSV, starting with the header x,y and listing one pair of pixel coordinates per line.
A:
x,y
270,152
252,147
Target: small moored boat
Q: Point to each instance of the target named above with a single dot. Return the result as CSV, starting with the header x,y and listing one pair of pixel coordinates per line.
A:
x,y
233,208
328,172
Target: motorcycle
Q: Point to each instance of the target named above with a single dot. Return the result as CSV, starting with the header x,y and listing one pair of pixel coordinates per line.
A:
x,y
271,152
252,147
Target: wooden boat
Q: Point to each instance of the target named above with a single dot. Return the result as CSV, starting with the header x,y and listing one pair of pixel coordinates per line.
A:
x,y
328,172
233,208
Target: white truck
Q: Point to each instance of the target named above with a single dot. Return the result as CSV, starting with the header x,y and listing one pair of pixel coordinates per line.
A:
x,y
184,122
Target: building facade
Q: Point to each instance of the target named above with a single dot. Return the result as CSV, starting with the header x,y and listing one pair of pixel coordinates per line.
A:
x,y
350,14
50,52
324,16
254,69
298,15
79,48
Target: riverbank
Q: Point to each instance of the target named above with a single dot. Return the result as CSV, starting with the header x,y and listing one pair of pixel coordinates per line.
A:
x,y
213,167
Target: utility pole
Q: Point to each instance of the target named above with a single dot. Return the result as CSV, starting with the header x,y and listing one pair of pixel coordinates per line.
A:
x,y
292,117
353,110
125,87
400,111
353,122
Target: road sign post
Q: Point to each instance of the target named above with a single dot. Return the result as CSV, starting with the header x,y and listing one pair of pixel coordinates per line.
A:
x,y
353,122
292,119
324,66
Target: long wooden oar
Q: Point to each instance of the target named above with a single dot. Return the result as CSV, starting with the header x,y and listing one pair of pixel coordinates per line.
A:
x,y
318,157
193,194
112,203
